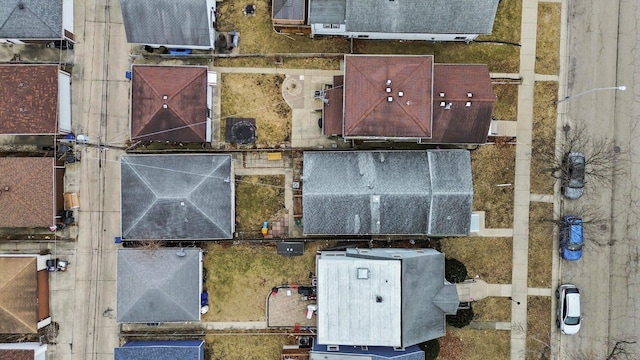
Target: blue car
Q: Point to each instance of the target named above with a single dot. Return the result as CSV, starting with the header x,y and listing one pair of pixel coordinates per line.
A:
x,y
571,240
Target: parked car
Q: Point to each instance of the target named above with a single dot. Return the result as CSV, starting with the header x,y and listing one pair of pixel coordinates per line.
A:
x,y
571,240
573,165
568,309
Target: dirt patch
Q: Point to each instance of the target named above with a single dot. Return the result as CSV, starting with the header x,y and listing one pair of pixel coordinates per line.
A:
x,y
492,309
258,199
475,344
490,258
548,39
538,327
494,165
239,277
540,244
257,96
506,106
544,136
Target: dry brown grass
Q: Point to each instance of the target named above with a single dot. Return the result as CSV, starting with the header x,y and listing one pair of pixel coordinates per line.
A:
x,y
499,57
492,309
540,244
548,39
491,258
507,24
538,327
258,199
246,347
241,276
257,35
257,96
492,165
506,106
471,344
332,63
544,135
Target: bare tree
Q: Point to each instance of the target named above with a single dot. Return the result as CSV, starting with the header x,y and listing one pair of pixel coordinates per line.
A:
x,y
602,156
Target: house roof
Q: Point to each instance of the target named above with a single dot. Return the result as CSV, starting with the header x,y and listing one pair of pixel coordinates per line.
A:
x,y
18,295
441,103
370,81
387,192
181,116
160,350
166,22
30,99
368,297
30,19
327,11
469,117
145,297
422,16
29,200
332,110
288,9
408,16
168,197
16,354
320,352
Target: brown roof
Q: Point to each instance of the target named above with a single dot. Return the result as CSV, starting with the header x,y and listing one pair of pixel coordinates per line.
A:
x,y
28,202
463,114
181,116
29,99
332,109
11,354
368,111
18,295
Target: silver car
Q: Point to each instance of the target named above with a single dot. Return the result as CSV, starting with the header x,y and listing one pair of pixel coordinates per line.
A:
x,y
568,309
573,171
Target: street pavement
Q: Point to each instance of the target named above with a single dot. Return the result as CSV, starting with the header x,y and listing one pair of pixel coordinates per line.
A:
x,y
601,38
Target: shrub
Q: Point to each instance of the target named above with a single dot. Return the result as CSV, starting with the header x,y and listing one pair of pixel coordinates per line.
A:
x,y
431,349
461,319
454,271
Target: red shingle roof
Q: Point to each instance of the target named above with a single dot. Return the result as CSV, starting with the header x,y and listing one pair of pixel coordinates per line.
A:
x,y
169,103
28,202
457,116
387,96
29,99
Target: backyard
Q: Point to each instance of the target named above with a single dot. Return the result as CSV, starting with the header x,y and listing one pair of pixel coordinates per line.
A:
x,y
258,199
240,276
257,96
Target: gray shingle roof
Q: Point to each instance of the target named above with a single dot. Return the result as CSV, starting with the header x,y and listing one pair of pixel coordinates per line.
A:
x,y
327,11
166,22
288,9
414,297
408,16
177,197
387,192
158,285
160,350
36,20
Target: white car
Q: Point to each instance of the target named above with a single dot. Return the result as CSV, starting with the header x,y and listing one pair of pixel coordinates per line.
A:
x,y
568,310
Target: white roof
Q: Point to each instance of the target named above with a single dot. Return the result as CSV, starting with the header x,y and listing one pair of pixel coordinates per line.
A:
x,y
357,311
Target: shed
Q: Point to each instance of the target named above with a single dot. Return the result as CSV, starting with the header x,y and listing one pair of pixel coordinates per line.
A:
x,y
290,248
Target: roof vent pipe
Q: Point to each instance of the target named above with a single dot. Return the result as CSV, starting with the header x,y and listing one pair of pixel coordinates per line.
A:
x,y
388,82
390,99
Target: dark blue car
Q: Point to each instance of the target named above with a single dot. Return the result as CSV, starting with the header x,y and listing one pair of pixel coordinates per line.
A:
x,y
571,240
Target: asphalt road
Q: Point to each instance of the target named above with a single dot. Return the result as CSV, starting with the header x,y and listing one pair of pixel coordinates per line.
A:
x,y
602,37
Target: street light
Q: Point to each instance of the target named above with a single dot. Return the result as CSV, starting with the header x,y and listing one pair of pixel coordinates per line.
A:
x,y
517,302
621,88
